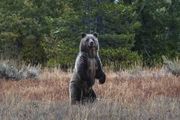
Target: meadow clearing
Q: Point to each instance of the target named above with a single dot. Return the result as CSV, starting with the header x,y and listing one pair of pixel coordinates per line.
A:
x,y
139,37
137,94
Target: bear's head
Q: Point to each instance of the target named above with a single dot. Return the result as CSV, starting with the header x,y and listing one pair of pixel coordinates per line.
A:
x,y
89,44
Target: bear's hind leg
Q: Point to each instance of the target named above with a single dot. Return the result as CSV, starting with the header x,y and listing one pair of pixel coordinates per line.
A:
x,y
90,96
75,94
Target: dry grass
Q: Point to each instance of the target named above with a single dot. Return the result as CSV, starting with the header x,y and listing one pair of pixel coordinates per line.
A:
x,y
132,95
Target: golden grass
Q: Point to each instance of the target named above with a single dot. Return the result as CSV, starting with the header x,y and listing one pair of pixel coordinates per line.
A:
x,y
134,90
119,86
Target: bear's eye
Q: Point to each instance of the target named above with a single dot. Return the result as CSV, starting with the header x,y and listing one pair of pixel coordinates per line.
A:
x,y
87,39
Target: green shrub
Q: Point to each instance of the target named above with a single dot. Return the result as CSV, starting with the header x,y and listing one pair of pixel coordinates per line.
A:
x,y
119,58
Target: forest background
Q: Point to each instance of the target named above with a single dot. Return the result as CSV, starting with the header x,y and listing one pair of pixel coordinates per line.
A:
x,y
131,32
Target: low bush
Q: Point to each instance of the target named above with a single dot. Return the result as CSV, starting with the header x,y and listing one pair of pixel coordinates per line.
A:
x,y
8,71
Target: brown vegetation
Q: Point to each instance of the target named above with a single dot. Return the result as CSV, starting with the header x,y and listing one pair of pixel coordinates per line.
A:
x,y
133,89
120,86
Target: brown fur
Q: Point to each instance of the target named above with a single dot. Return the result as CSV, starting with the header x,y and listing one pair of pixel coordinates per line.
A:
x,y
87,68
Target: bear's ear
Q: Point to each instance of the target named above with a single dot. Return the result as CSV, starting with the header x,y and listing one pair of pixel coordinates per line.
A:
x,y
83,35
95,34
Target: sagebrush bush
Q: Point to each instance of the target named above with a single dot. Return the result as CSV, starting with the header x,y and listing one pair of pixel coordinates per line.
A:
x,y
171,66
8,71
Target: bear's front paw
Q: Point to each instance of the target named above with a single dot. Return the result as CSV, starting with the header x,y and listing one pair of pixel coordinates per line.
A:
x,y
102,79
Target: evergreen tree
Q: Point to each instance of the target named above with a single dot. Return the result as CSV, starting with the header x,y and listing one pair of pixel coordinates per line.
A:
x,y
159,32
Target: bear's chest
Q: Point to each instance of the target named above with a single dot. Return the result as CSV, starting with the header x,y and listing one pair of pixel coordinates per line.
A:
x,y
92,67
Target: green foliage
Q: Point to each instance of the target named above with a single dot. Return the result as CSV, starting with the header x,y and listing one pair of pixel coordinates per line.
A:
x,y
48,31
159,33
119,58
30,21
66,55
115,40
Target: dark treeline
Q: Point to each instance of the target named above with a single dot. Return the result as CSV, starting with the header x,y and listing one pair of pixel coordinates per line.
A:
x,y
130,31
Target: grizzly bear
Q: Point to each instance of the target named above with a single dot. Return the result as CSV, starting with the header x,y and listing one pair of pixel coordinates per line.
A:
x,y
87,68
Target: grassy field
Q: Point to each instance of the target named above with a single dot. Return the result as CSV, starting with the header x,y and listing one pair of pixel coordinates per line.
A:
x,y
126,95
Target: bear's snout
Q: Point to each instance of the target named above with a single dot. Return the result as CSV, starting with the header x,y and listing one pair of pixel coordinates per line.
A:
x,y
91,43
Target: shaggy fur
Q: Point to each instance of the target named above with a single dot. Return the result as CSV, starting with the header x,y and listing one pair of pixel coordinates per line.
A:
x,y
87,68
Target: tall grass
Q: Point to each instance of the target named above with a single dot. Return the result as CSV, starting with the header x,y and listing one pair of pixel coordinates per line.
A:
x,y
161,108
136,94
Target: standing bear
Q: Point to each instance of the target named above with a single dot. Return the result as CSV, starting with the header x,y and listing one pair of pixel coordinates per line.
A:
x,y
87,68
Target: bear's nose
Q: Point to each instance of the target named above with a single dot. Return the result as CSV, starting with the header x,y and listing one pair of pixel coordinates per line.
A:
x,y
91,43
